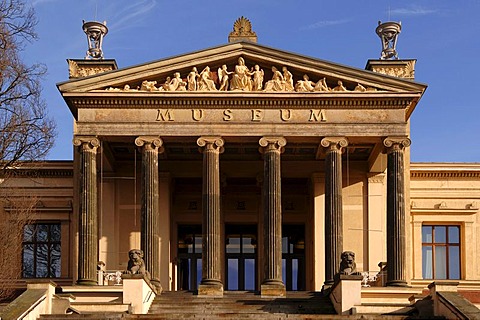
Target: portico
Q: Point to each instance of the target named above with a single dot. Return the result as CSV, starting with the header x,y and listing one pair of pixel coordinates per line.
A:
x,y
172,160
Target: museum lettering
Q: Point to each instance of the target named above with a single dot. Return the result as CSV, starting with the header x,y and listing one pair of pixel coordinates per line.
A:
x,y
246,115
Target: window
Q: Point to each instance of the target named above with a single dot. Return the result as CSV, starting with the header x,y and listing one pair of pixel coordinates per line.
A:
x,y
441,252
41,250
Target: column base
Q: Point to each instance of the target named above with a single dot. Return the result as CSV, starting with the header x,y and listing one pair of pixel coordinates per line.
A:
x,y
87,282
273,289
210,290
397,283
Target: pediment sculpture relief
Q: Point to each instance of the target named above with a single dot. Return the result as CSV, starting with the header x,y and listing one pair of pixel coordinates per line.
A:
x,y
242,78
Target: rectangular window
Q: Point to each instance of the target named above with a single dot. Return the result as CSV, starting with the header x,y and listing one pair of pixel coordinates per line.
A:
x,y
41,256
440,252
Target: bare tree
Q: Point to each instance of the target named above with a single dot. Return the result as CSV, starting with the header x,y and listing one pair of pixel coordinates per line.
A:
x,y
26,132
18,210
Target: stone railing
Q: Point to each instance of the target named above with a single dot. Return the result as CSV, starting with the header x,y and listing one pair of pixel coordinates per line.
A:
x,y
32,303
109,278
373,279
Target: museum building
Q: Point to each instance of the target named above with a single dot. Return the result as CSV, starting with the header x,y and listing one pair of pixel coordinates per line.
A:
x,y
248,168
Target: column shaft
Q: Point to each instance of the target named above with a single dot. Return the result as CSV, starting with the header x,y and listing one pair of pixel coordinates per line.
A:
x,y
212,265
150,238
88,211
396,241
272,284
333,206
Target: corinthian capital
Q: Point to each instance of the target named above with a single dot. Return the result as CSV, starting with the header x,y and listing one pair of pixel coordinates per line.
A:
x,y
150,143
334,143
209,143
86,143
272,143
396,143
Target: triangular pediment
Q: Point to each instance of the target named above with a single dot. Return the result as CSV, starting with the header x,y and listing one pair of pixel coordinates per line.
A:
x,y
323,76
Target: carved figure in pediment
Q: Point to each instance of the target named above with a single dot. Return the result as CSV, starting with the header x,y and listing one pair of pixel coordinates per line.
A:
x,y
205,82
360,88
192,79
277,83
175,84
321,85
257,78
305,85
340,87
223,77
241,79
165,85
149,86
288,77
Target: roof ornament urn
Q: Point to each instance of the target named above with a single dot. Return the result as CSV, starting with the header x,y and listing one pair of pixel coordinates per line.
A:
x,y
95,32
388,33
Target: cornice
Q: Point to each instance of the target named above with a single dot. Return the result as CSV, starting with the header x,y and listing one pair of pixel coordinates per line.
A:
x,y
445,170
48,169
243,101
440,174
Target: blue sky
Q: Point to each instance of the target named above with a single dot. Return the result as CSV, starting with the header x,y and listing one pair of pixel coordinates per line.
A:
x,y
441,34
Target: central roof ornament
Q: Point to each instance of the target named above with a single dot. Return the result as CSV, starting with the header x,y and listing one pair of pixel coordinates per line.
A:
x,y
388,33
242,31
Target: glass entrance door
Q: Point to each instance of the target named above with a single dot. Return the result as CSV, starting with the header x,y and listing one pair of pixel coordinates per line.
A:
x,y
293,257
241,257
189,257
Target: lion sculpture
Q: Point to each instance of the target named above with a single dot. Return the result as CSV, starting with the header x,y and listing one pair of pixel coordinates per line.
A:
x,y
136,264
348,265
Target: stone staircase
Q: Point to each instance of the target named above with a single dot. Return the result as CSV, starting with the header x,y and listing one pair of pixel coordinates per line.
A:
x,y
239,305
233,305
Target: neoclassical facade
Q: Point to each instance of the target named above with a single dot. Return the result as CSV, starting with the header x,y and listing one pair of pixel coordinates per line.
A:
x,y
244,167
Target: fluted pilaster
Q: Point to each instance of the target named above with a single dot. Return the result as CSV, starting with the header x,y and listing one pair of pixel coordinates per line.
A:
x,y
272,147
150,238
333,205
212,265
88,210
396,242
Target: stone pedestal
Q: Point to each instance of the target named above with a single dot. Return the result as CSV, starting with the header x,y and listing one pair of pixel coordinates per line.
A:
x,y
333,205
272,284
88,210
396,242
346,293
150,238
212,265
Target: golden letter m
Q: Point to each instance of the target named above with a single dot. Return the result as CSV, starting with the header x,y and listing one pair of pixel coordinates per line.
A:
x,y
165,115
316,115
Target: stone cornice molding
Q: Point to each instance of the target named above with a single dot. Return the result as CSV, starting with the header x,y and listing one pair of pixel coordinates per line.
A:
x,y
444,170
334,143
396,143
445,174
87,143
264,100
211,143
150,143
272,144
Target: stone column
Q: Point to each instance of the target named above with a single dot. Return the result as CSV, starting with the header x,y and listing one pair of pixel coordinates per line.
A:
x,y
272,284
212,265
396,240
150,238
333,205
88,210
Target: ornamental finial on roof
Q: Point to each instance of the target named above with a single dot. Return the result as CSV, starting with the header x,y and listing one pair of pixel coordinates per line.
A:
x,y
388,33
242,31
95,32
